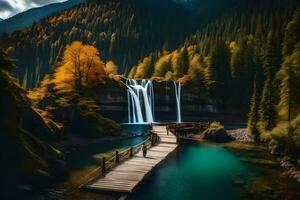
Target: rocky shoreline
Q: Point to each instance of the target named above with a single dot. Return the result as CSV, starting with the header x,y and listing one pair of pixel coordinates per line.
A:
x,y
292,166
240,135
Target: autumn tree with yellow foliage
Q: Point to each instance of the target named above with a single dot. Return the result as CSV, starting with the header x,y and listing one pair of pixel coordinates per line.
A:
x,y
81,67
111,69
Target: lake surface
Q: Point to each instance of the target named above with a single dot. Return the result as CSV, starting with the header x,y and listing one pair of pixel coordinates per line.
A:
x,y
91,155
194,171
135,129
208,171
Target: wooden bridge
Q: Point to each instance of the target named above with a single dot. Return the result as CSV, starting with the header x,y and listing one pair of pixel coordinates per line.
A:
x,y
132,167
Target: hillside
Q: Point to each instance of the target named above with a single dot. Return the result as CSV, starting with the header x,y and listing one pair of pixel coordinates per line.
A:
x,y
27,18
238,42
124,31
207,10
83,86
248,61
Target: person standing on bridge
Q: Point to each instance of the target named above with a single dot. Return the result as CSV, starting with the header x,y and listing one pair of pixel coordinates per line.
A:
x,y
144,148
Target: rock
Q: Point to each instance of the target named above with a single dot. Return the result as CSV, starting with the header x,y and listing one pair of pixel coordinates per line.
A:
x,y
285,163
217,135
240,135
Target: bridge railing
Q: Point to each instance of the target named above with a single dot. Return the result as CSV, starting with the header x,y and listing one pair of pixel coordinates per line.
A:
x,y
107,163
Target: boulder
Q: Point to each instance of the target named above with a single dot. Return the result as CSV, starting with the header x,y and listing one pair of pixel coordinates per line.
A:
x,y
217,135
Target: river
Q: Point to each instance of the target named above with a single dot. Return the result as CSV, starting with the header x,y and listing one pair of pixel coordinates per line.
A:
x,y
196,170
218,172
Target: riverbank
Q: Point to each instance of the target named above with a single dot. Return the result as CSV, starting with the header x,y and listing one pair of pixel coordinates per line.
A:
x,y
291,166
210,170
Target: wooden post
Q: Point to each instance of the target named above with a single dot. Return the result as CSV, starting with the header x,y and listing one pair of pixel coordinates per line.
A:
x,y
131,152
103,165
117,157
152,141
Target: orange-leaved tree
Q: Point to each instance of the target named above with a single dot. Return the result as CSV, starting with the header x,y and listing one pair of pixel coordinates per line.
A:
x,y
81,67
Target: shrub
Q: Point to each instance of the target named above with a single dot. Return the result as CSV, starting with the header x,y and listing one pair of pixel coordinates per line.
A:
x,y
215,125
287,136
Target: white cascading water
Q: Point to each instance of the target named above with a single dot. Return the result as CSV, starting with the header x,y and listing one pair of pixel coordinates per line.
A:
x,y
178,99
140,96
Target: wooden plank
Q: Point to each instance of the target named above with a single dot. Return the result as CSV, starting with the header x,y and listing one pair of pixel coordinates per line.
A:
x,y
126,176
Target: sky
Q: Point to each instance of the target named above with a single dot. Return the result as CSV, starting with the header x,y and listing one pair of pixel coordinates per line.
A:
x,y
9,8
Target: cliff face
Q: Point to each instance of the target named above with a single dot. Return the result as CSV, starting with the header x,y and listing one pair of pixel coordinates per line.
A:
x,y
114,104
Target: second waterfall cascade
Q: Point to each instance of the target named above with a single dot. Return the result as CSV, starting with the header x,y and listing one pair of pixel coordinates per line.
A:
x,y
178,101
140,94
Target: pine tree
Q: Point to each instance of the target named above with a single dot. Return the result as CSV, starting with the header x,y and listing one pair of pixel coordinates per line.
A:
x,y
269,57
218,72
267,109
253,116
292,35
289,73
268,102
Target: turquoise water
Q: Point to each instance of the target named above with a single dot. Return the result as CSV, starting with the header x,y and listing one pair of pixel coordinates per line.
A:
x,y
89,156
193,171
136,129
198,171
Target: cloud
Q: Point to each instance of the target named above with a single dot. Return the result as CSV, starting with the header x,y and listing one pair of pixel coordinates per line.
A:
x,y
9,8
4,5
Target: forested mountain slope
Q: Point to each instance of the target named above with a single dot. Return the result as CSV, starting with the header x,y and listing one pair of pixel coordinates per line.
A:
x,y
248,61
123,30
27,18
207,10
224,57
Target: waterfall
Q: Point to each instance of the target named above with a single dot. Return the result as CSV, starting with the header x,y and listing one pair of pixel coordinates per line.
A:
x,y
178,99
140,95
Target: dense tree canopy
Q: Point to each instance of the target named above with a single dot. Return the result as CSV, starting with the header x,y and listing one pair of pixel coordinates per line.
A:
x,y
123,30
81,67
